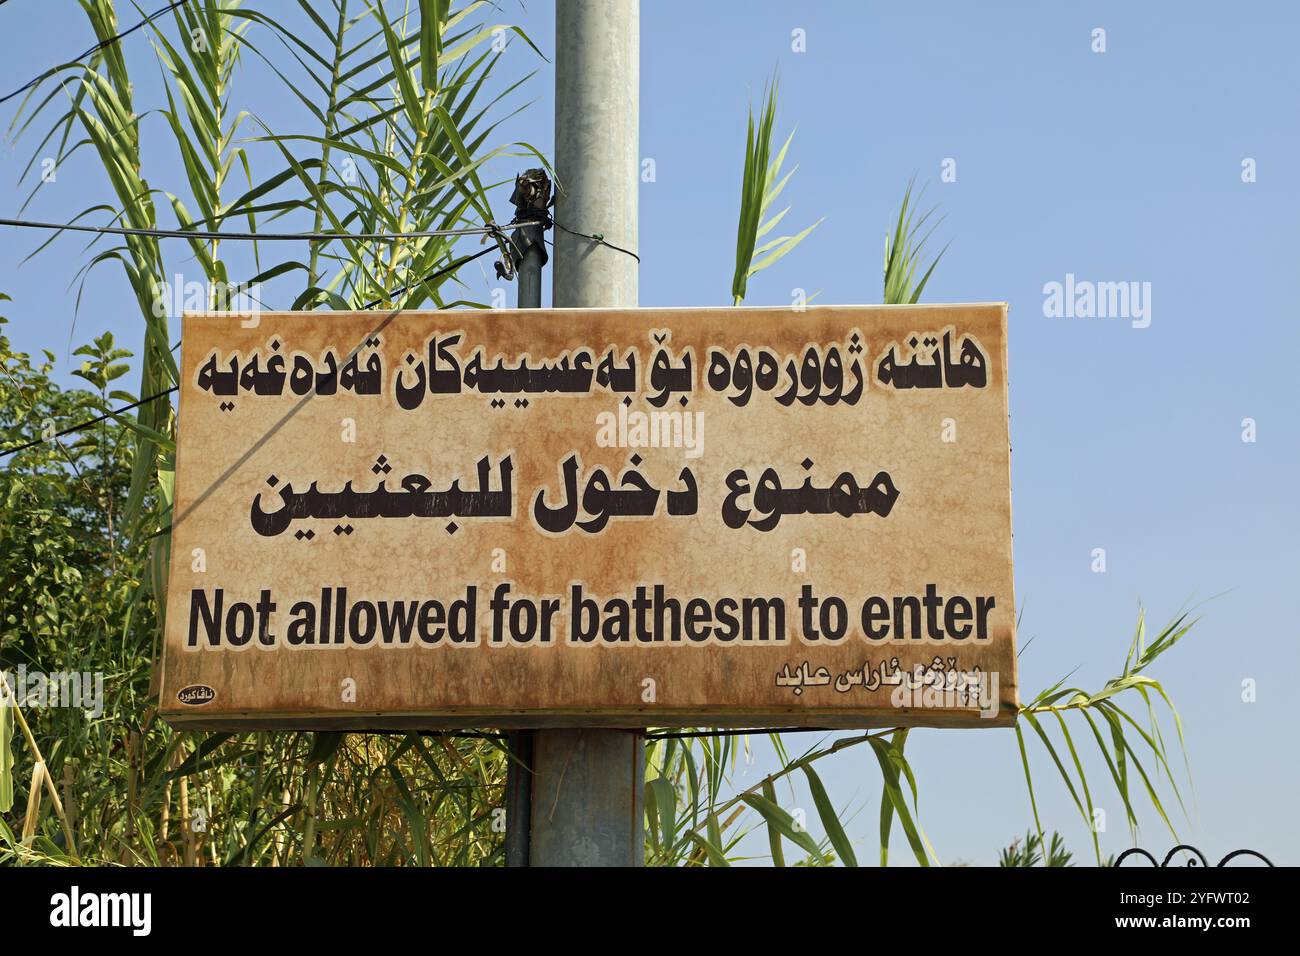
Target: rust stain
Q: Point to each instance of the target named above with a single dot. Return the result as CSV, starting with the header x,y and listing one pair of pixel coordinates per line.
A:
x,y
950,525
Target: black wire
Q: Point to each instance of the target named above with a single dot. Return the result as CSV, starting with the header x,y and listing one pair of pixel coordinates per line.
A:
x,y
84,425
450,267
597,238
94,49
432,275
490,229
126,408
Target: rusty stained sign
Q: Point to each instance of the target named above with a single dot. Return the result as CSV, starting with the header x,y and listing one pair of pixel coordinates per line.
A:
x,y
682,517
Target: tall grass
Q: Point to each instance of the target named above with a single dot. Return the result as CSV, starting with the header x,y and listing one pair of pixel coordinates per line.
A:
x,y
396,131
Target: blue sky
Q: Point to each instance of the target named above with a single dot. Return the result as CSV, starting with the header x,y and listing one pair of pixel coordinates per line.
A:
x,y
1117,166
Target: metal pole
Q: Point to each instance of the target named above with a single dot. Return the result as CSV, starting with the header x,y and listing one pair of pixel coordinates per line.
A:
x,y
597,116
530,278
519,796
586,784
531,199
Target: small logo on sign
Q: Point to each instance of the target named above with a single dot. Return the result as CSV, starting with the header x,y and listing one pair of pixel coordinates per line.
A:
x,y
196,694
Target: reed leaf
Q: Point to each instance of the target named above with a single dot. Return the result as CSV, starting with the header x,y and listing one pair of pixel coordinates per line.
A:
x,y
1128,740
6,747
905,251
830,818
761,183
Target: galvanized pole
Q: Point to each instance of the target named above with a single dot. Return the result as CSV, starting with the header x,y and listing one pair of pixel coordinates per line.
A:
x,y
519,796
531,199
586,802
597,114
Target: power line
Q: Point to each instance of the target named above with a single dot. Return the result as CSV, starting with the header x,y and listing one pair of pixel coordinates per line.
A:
x,y
144,401
94,49
433,275
84,425
491,229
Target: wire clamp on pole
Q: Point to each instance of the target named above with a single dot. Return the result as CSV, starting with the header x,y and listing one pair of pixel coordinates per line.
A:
x,y
531,199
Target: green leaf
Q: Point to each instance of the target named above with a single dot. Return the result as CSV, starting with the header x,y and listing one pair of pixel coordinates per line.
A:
x,y
784,823
891,760
773,834
713,847
761,183
903,253
830,820
1029,781
665,796
6,749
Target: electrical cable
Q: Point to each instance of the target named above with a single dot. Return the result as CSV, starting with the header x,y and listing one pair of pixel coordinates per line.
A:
x,y
491,229
94,49
136,404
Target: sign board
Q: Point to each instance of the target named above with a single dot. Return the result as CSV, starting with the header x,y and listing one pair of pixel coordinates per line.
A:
x,y
650,517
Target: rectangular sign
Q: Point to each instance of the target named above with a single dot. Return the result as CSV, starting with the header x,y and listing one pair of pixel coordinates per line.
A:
x,y
649,517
